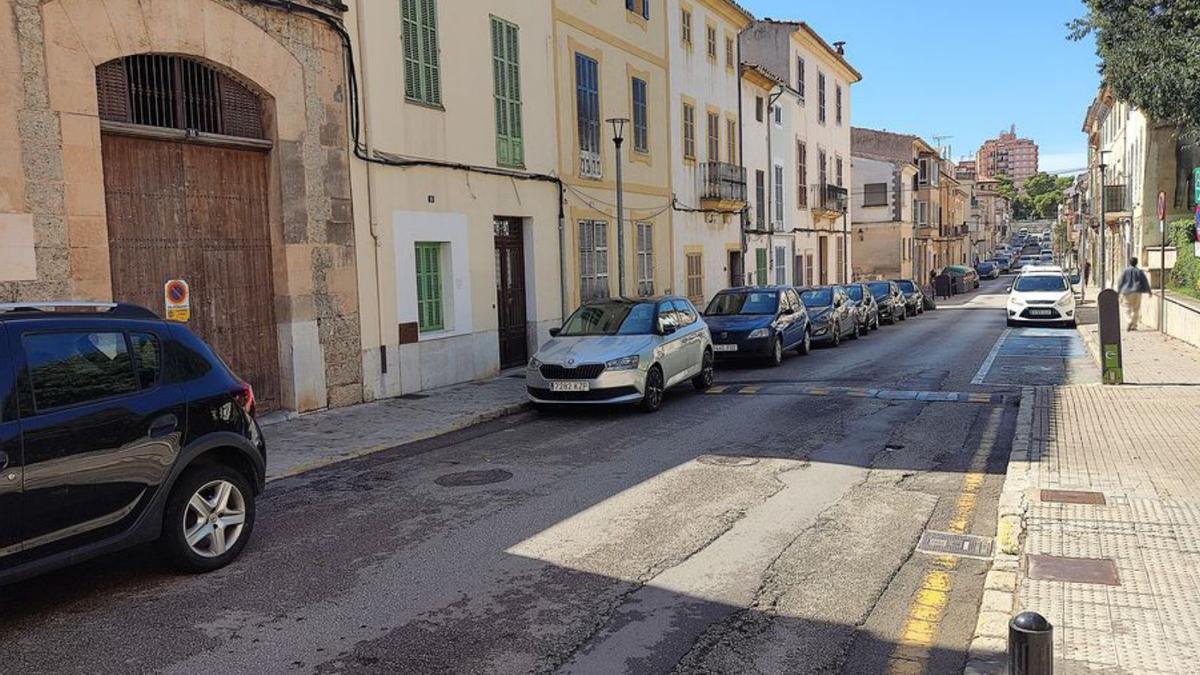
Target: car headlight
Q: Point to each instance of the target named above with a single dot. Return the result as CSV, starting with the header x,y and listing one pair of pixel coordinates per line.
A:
x,y
534,364
759,333
1016,300
624,363
1065,300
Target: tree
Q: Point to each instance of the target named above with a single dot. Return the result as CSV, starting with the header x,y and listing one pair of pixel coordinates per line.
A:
x,y
1150,54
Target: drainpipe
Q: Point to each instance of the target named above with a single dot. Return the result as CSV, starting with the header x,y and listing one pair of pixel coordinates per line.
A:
x,y
770,205
743,218
370,148
562,254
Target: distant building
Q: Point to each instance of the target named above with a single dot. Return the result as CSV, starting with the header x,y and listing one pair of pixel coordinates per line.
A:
x,y
965,170
1007,155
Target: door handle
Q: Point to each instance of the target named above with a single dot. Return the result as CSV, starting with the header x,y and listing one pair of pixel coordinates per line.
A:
x,y
163,425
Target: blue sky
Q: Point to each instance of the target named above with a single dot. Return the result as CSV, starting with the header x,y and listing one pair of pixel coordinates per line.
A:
x,y
962,68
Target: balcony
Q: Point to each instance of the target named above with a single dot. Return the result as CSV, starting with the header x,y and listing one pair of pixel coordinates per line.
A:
x,y
722,186
1116,201
827,200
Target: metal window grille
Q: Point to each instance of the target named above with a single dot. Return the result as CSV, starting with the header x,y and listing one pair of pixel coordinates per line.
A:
x,y
593,259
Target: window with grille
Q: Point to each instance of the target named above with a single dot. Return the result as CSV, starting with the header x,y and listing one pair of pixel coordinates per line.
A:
x,y
641,127
177,93
422,72
714,137
685,22
801,174
645,259
695,277
689,131
593,259
430,311
506,90
821,98
711,36
587,113
800,77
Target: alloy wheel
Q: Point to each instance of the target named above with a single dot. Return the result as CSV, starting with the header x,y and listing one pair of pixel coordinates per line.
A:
x,y
214,518
653,396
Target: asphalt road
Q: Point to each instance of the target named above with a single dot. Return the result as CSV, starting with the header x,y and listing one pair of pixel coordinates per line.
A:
x,y
770,526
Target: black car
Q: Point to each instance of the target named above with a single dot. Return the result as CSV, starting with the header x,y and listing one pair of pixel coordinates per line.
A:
x,y
831,314
865,307
914,297
758,321
118,428
892,307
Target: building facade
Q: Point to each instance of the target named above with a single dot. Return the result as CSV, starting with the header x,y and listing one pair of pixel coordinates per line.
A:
x,y
809,168
882,211
1007,155
708,180
457,209
202,140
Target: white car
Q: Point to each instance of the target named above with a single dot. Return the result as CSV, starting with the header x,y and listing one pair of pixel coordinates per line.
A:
x,y
622,350
1041,295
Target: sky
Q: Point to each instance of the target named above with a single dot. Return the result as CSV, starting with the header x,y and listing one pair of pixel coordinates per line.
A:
x,y
962,68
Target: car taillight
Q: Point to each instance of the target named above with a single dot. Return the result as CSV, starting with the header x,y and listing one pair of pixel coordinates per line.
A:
x,y
244,395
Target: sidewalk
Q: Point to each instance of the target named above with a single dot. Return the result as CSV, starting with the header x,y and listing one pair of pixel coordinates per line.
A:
x,y
318,439
1113,561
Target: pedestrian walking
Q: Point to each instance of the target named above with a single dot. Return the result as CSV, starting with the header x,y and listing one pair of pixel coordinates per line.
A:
x,y
1132,285
1087,272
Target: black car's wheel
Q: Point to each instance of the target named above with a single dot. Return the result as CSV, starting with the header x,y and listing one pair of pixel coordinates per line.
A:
x,y
865,327
705,379
837,334
208,518
904,315
652,398
875,325
805,345
853,334
1010,323
776,356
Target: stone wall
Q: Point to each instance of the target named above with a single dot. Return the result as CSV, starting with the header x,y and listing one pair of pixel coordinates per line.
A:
x,y
51,172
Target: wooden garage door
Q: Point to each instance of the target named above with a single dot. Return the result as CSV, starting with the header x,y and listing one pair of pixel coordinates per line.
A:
x,y
197,212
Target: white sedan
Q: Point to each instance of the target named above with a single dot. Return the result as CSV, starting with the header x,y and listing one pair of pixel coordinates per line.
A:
x,y
1041,296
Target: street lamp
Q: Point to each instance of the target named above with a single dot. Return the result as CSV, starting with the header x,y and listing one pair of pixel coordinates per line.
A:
x,y
618,127
1103,226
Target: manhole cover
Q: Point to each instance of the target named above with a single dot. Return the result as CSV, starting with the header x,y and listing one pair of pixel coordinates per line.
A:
x,y
721,460
467,478
1075,570
1073,497
962,545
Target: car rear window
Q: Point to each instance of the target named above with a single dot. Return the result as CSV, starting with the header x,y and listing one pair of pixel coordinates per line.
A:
x,y
73,368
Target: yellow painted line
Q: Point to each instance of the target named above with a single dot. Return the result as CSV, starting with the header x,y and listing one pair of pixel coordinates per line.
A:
x,y
752,389
980,398
817,391
716,390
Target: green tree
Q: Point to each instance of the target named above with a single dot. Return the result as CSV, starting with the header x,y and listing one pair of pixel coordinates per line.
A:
x,y
1150,54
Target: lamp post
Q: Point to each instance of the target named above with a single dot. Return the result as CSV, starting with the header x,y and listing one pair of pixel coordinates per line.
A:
x,y
1103,226
618,127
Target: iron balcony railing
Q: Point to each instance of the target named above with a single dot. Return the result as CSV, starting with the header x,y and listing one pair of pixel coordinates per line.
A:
x,y
720,181
828,197
1116,198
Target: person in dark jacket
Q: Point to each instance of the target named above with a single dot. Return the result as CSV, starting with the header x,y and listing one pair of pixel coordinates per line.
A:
x,y
1132,285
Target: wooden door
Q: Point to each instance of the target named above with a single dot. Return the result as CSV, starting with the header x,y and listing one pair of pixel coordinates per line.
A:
x,y
199,213
510,292
823,258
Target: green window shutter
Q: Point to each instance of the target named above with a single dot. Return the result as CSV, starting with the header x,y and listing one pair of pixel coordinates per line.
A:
x,y
412,51
761,265
506,91
431,77
429,286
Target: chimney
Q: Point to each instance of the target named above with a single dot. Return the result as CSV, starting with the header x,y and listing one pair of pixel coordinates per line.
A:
x,y
840,46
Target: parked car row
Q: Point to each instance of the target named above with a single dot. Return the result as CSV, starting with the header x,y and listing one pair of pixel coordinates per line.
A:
x,y
631,350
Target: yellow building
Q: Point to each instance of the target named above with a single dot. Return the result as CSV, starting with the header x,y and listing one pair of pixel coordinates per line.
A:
x,y
610,62
456,202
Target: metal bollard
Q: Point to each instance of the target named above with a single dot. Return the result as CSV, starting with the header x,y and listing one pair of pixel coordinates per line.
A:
x,y
1030,645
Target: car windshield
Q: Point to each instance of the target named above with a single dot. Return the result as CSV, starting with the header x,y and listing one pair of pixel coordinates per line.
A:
x,y
1046,283
817,297
611,318
880,289
855,293
906,286
754,302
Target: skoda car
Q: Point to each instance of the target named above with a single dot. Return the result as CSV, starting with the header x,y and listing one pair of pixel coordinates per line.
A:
x,y
761,321
831,313
622,351
1041,296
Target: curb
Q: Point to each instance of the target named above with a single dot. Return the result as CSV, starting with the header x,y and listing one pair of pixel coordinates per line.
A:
x,y
459,425
989,643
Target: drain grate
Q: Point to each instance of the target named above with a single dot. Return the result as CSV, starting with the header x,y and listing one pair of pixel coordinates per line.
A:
x,y
722,460
961,545
1074,570
471,478
1073,497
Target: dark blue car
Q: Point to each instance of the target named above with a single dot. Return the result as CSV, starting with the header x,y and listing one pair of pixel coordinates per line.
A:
x,y
758,321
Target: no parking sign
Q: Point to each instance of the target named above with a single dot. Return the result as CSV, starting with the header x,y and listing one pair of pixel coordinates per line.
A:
x,y
177,298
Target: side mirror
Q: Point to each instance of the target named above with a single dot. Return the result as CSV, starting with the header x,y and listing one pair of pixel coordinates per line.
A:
x,y
787,311
668,330
1008,289
555,331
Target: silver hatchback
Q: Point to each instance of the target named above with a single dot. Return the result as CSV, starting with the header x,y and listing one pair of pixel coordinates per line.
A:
x,y
622,351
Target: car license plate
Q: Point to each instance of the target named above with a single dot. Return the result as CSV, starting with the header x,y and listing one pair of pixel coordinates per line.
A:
x,y
1040,312
724,348
568,386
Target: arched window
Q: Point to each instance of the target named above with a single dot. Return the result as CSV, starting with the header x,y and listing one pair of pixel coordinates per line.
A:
x,y
175,92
